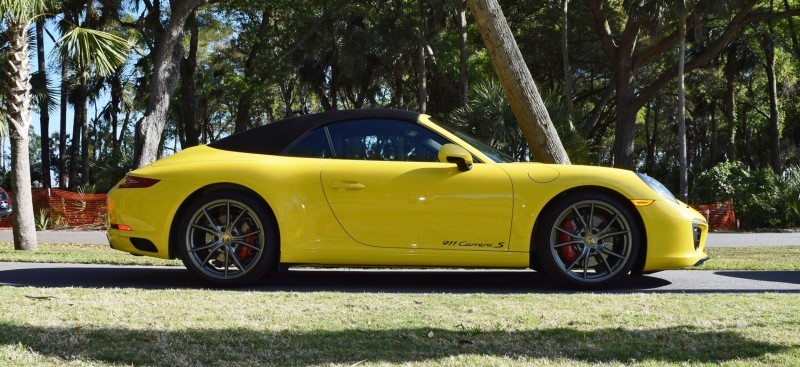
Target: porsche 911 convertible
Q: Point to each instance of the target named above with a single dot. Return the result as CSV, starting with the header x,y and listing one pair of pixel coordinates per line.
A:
x,y
396,189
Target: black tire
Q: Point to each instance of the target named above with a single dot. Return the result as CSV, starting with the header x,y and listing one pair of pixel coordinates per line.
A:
x,y
227,238
583,253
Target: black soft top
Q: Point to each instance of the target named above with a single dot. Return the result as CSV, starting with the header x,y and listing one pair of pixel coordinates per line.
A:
x,y
273,138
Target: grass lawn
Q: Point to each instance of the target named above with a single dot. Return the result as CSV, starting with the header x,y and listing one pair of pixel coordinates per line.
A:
x,y
122,327
78,254
196,327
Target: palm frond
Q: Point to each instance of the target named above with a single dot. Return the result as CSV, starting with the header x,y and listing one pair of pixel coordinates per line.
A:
x,y
23,11
99,51
43,87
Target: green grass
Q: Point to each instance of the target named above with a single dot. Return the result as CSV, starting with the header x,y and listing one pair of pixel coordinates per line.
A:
x,y
195,327
77,254
753,258
119,327
722,258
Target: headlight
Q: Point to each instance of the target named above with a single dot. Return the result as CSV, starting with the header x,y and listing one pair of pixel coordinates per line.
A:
x,y
657,187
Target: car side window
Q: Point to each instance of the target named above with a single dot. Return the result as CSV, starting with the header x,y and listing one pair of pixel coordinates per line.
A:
x,y
386,140
312,145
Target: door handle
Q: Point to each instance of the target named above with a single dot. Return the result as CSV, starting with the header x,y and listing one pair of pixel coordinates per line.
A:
x,y
347,186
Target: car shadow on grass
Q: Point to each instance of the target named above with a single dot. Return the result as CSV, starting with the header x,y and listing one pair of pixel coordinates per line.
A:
x,y
260,346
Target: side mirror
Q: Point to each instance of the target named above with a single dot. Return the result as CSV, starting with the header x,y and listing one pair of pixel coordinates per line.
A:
x,y
451,153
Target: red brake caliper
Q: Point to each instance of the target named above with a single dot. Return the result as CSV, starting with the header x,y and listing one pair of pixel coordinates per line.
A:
x,y
243,251
568,253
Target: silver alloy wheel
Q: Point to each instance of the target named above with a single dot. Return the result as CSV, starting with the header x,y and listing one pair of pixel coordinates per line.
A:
x,y
591,241
225,239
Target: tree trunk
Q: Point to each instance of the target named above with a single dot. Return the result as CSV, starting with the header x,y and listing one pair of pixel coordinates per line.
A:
x,y
44,109
464,54
773,131
683,164
517,83
165,78
63,174
650,160
286,95
116,99
398,98
713,144
85,140
245,104
78,122
188,115
731,71
422,87
565,60
17,110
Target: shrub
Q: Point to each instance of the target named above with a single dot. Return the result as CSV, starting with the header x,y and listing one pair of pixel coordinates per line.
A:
x,y
761,198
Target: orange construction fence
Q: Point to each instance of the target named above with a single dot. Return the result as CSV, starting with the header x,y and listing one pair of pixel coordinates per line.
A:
x,y
720,216
66,209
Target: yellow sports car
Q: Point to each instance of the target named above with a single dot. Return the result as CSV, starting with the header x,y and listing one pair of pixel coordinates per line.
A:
x,y
394,188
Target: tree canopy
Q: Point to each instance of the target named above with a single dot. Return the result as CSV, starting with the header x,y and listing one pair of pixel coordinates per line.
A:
x,y
209,69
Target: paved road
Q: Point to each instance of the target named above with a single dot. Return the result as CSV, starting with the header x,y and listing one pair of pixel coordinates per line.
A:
x,y
714,239
395,281
83,237
753,239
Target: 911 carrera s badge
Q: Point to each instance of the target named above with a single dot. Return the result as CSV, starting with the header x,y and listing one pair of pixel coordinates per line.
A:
x,y
473,244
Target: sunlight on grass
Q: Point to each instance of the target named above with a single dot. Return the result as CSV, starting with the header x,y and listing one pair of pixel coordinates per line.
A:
x,y
77,254
753,258
109,327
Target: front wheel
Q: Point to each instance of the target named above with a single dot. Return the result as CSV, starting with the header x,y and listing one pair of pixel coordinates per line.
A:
x,y
588,240
226,238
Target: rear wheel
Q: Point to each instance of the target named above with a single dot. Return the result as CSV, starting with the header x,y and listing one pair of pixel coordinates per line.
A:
x,y
227,238
588,240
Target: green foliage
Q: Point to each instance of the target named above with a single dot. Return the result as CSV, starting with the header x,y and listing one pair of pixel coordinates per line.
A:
x,y
42,220
488,116
761,198
22,11
106,173
102,51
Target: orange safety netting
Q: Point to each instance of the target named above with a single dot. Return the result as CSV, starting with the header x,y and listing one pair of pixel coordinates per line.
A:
x,y
720,216
66,209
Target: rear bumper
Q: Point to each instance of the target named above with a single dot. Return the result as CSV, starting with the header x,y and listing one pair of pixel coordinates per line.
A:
x,y
147,213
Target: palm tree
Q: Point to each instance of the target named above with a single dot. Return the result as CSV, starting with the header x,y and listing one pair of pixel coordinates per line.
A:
x,y
105,52
18,15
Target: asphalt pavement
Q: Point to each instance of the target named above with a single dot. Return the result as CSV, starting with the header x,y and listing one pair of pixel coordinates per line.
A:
x,y
401,281
714,239
394,281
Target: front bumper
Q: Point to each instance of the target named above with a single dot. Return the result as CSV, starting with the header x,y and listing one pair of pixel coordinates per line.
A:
x,y
676,236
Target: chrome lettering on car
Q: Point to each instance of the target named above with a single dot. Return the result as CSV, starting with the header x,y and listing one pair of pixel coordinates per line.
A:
x,y
473,244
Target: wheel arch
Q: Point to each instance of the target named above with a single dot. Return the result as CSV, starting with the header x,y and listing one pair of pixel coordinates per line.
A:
x,y
638,265
173,233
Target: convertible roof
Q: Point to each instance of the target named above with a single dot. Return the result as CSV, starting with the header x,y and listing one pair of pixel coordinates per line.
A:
x,y
273,138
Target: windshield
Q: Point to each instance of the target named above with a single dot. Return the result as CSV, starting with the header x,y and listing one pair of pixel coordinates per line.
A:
x,y
494,154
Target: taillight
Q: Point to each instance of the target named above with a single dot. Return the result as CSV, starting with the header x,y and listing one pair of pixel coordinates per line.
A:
x,y
132,182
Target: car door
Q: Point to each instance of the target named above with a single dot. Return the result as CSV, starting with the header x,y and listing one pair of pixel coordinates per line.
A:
x,y
386,188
